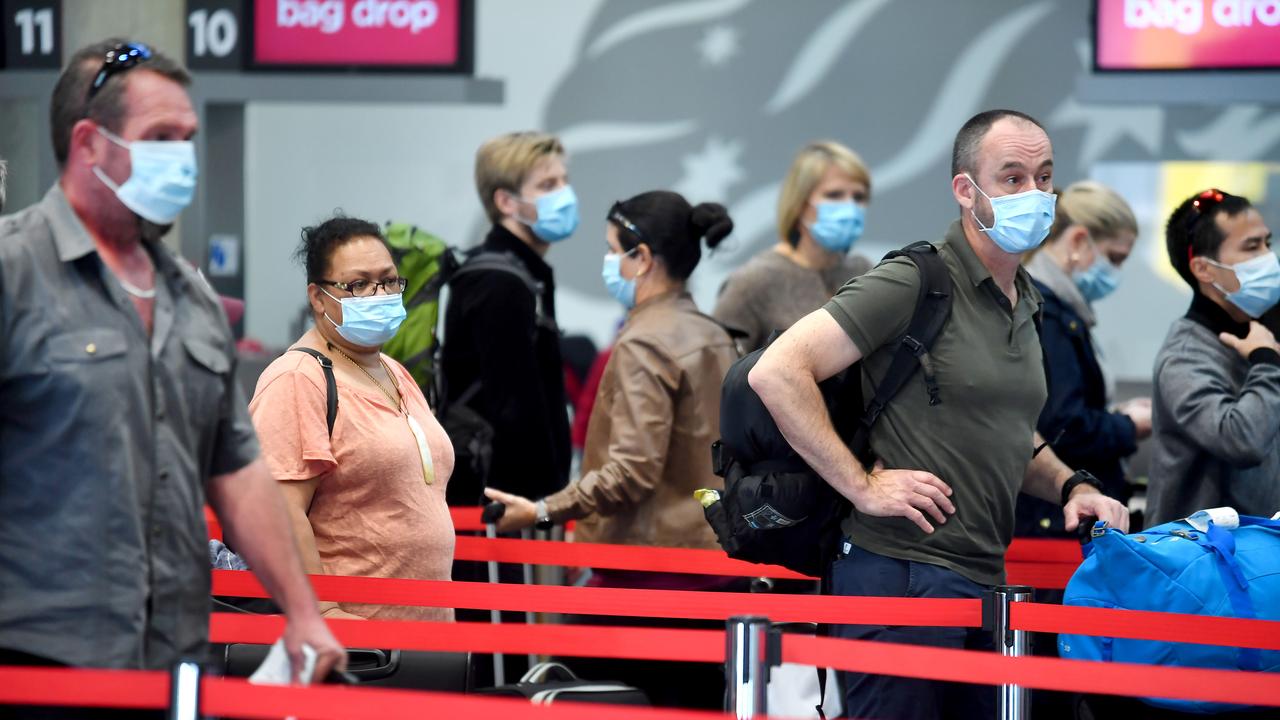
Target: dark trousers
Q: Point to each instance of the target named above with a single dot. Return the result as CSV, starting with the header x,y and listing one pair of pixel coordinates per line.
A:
x,y
859,572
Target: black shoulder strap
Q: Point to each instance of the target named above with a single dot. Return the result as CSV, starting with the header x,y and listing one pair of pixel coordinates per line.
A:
x,y
735,335
331,384
933,307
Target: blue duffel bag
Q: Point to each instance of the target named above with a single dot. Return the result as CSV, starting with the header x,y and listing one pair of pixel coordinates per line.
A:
x,y
1213,563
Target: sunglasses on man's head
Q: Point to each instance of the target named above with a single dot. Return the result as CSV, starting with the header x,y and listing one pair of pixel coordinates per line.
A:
x,y
118,59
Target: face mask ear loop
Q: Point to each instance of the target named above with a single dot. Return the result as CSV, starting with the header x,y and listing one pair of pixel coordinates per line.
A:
x,y
973,210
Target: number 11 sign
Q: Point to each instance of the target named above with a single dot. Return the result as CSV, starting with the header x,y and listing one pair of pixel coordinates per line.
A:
x,y
32,34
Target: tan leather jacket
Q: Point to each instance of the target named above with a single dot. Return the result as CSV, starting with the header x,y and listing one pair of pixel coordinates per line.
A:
x,y
649,440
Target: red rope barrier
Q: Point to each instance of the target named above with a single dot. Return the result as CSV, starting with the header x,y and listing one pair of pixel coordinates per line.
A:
x,y
615,557
132,689
237,698
1227,686
688,560
1039,563
1037,550
685,604
225,697
1140,625
627,643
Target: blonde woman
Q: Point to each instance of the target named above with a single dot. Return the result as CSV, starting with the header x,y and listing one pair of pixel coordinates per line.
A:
x,y
1079,264
821,214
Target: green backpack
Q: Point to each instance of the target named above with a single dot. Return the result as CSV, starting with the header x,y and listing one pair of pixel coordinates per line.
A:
x,y
428,263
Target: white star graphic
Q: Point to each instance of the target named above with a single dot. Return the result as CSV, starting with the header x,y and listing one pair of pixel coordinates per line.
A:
x,y
718,44
710,172
1105,126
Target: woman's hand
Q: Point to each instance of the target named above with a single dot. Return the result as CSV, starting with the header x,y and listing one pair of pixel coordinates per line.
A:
x,y
520,514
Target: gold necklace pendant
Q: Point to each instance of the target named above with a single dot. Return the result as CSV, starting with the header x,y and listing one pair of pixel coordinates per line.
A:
x,y
395,400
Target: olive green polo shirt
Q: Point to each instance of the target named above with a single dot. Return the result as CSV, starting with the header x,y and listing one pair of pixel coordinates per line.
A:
x,y
990,373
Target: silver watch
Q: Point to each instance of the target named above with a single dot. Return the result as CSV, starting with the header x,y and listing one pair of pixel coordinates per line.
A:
x,y
542,520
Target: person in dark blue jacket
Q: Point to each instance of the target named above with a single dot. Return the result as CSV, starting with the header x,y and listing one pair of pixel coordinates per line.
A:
x,y
1093,233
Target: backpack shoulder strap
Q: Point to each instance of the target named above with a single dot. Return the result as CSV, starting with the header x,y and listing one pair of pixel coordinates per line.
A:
x,y
933,307
331,384
735,335
506,262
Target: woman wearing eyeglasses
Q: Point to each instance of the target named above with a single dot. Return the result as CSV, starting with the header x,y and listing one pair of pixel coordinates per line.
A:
x,y
367,496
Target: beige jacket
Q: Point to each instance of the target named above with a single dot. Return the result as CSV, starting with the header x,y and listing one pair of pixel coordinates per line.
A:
x,y
649,440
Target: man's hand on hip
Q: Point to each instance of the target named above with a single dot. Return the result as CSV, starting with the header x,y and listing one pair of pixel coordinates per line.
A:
x,y
1087,502
312,630
904,493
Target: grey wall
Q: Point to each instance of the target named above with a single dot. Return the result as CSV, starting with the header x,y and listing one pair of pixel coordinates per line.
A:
x,y
712,98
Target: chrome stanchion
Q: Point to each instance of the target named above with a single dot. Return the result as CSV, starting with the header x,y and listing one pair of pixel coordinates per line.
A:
x,y
1014,701
184,691
747,657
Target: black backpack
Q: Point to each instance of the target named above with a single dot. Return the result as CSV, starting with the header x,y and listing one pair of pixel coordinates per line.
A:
x,y
774,508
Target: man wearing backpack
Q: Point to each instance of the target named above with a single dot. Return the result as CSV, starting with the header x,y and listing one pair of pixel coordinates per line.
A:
x,y
934,514
501,352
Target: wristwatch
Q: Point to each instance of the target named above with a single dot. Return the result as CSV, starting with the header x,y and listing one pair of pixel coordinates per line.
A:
x,y
542,518
1081,477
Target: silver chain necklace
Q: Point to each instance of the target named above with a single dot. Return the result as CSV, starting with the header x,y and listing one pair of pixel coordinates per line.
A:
x,y
136,291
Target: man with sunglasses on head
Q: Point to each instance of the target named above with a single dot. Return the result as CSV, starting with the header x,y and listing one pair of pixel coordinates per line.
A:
x,y
120,414
1216,400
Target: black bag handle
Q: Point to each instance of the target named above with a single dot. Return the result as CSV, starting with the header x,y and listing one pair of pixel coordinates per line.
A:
x,y
331,384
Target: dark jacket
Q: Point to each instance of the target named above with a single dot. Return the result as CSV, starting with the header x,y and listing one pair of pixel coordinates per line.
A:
x,y
492,335
1085,435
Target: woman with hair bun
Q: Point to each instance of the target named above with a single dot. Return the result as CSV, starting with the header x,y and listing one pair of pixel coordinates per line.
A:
x,y
656,414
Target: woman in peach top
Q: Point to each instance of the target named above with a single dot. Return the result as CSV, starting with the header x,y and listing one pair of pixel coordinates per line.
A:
x,y
367,499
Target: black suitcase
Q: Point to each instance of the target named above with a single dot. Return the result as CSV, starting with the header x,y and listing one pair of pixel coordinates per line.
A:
x,y
406,669
549,682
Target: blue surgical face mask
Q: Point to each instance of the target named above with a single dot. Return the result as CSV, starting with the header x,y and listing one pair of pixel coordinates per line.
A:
x,y
1259,284
622,289
1098,280
838,225
162,179
557,215
1021,221
369,321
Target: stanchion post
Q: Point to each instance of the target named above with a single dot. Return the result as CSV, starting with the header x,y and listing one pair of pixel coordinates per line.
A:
x,y
184,691
1014,701
746,666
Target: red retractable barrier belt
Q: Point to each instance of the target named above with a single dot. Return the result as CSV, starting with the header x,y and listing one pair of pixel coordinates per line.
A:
x,y
466,518
685,604
1138,625
1039,563
133,689
226,697
1036,550
969,666
516,639
686,560
615,557
237,698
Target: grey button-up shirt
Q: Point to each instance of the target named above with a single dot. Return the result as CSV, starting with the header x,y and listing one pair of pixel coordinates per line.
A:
x,y
107,439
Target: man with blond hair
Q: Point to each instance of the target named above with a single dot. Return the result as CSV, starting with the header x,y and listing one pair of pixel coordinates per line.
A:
x,y
502,348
